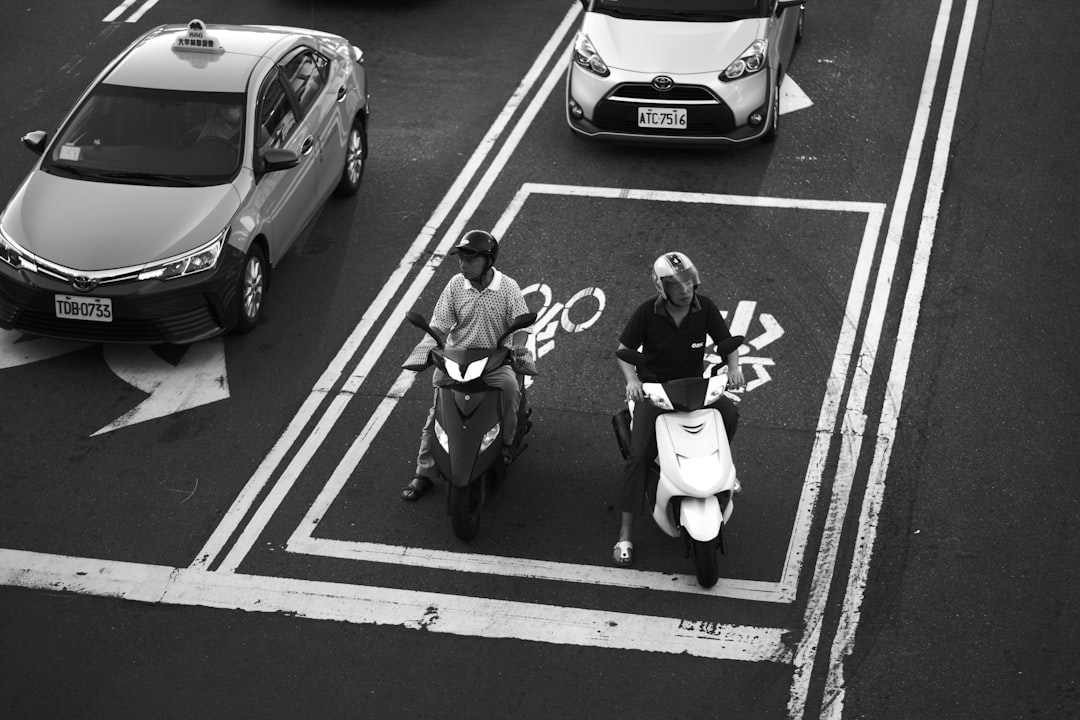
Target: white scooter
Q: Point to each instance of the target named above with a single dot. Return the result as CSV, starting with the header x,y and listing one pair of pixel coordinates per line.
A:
x,y
696,472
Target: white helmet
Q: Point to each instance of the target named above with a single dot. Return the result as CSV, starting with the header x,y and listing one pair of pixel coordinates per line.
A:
x,y
674,265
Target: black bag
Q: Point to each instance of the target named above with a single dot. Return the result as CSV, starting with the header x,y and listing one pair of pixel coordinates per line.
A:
x,y
620,421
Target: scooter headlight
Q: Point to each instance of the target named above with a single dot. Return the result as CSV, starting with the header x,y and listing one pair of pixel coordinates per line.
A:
x,y
489,437
440,435
717,385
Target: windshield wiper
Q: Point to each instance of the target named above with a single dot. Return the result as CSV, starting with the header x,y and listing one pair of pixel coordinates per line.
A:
x,y
151,178
75,170
711,17
673,15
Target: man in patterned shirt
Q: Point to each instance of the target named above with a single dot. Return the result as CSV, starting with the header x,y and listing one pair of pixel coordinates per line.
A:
x,y
473,311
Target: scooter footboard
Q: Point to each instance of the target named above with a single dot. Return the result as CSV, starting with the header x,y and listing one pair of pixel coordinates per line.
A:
x,y
701,517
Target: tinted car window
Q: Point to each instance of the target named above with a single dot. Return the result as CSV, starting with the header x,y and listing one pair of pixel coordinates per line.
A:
x,y
704,10
276,115
136,135
306,73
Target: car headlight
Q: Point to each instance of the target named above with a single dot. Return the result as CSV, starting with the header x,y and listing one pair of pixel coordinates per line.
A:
x,y
586,56
752,60
13,255
198,260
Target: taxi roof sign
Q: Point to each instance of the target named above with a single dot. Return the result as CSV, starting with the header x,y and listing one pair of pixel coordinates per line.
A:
x,y
197,40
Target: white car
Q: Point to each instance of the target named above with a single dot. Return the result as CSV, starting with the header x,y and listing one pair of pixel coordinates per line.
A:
x,y
695,72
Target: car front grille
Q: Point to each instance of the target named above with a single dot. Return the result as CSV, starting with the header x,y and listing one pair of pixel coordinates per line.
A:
x,y
177,328
706,114
678,93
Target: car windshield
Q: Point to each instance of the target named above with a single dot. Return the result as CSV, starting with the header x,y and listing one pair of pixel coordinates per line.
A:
x,y
683,10
152,137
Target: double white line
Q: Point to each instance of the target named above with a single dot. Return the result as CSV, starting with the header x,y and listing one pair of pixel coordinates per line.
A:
x,y
125,6
324,387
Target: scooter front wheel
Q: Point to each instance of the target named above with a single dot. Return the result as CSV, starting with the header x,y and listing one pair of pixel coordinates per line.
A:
x,y
705,562
465,510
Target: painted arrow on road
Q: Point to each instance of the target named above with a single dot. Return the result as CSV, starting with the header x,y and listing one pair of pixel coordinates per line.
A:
x,y
199,378
792,97
17,349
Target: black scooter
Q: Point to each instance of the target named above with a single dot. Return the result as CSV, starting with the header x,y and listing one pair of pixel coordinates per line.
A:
x,y
468,423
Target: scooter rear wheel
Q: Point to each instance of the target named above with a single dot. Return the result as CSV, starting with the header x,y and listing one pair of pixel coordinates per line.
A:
x,y
705,563
465,510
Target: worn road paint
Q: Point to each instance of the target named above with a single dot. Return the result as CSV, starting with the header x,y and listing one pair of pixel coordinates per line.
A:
x,y
416,610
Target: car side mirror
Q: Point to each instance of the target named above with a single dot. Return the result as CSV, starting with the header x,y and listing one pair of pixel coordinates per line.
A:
x,y
36,141
278,159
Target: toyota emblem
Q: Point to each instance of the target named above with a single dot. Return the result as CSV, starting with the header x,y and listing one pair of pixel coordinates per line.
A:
x,y
82,283
663,83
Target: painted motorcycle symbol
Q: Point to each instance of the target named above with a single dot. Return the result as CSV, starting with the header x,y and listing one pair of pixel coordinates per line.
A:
x,y
739,324
572,316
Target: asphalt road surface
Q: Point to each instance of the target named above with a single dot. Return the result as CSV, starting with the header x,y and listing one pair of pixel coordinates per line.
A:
x,y
215,531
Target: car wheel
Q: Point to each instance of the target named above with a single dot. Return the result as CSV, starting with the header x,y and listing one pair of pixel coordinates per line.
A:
x,y
251,290
774,127
355,156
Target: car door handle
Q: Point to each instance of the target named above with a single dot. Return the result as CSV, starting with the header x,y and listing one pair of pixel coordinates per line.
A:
x,y
342,93
309,143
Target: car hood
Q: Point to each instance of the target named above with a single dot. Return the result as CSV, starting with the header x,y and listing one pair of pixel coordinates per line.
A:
x,y
677,48
90,226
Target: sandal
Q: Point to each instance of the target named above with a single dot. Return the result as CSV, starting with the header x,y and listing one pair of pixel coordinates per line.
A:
x,y
416,488
624,553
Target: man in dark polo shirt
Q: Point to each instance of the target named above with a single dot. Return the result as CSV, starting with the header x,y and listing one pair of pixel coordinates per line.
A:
x,y
670,330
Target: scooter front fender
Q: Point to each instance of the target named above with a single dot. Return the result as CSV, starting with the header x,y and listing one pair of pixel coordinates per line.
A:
x,y
701,517
465,417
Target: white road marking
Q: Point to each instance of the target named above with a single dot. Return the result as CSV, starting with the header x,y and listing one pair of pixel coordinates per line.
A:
x,y
792,97
17,349
844,640
755,590
784,591
198,379
123,8
854,417
324,386
429,611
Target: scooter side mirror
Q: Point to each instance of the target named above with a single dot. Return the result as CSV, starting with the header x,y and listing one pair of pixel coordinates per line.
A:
x,y
522,321
629,355
519,323
417,320
733,343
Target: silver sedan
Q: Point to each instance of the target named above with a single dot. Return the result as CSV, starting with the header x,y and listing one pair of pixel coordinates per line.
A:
x,y
180,178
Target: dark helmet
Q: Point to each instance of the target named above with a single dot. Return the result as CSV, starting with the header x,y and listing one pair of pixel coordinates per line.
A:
x,y
480,242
